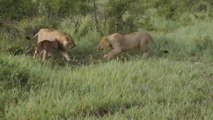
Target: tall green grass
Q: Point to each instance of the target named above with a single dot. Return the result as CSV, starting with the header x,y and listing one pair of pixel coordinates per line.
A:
x,y
137,89
190,42
173,85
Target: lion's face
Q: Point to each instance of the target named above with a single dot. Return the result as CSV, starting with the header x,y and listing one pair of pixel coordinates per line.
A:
x,y
104,43
68,42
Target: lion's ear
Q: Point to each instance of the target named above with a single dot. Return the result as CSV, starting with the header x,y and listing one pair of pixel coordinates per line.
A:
x,y
106,42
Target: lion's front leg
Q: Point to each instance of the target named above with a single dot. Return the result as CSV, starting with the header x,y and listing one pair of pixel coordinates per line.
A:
x,y
66,55
111,54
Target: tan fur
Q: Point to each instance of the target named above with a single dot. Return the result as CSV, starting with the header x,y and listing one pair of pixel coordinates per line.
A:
x,y
64,39
119,43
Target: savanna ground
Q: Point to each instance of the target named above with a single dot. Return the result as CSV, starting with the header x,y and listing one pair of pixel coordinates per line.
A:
x,y
177,85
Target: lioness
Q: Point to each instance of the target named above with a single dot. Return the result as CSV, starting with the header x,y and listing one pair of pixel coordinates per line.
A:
x,y
64,39
45,48
119,43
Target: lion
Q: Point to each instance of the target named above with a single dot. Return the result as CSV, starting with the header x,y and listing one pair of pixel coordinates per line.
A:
x,y
64,39
125,42
45,48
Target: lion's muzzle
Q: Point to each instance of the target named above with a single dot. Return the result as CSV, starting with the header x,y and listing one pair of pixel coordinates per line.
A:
x,y
99,48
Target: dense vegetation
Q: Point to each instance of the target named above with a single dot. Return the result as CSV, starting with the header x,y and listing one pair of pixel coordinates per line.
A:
x,y
175,85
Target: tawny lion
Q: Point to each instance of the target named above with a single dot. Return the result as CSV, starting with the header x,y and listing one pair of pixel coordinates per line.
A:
x,y
120,43
63,39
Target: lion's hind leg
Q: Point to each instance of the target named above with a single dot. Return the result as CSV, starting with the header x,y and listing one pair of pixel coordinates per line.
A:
x,y
145,50
44,54
35,53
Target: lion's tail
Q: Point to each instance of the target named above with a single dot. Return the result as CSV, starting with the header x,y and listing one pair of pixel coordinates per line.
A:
x,y
157,46
27,37
35,35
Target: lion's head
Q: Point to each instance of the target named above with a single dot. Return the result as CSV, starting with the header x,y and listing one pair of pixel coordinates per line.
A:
x,y
104,43
68,42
